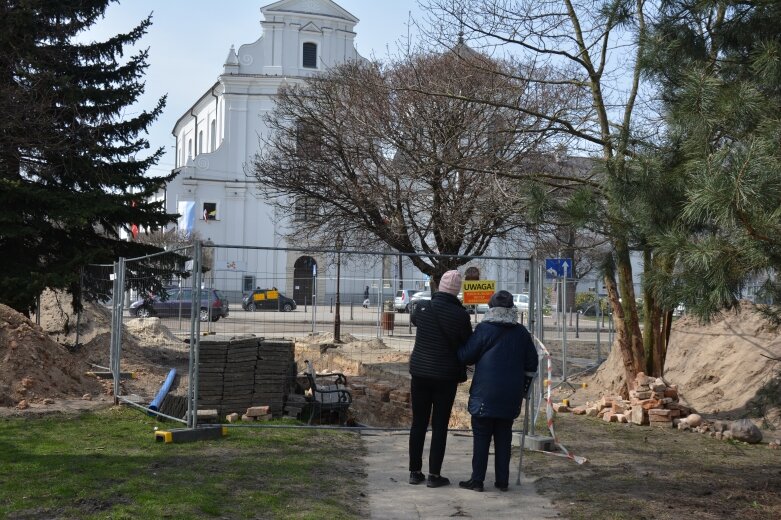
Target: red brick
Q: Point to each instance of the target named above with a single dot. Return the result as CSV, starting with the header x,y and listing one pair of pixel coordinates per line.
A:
x,y
399,396
378,395
659,412
649,404
257,411
639,415
356,389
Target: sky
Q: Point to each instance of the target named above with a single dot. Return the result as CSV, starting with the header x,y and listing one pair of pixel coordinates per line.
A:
x,y
189,41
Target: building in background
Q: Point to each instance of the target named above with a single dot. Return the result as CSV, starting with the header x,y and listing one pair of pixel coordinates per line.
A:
x,y
218,136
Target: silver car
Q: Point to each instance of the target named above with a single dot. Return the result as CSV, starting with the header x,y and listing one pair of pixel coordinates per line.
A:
x,y
418,297
402,301
521,302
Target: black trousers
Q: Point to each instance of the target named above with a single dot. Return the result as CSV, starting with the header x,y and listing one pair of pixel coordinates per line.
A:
x,y
483,428
430,399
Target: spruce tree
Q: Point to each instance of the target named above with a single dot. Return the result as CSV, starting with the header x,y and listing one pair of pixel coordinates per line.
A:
x,y
72,164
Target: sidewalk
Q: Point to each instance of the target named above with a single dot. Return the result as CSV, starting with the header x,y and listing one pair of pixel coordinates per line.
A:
x,y
392,497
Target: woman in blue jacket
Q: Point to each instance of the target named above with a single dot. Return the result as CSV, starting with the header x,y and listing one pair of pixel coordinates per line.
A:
x,y
505,362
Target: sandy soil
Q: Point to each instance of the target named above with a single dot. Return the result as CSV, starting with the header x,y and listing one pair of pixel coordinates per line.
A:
x,y
43,369
727,368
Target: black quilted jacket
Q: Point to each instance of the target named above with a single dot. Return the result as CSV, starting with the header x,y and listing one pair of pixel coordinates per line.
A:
x,y
434,354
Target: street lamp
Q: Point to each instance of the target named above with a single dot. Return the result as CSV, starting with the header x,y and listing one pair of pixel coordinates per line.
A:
x,y
337,321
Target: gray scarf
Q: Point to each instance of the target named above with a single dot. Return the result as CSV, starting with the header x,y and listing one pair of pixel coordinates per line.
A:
x,y
501,315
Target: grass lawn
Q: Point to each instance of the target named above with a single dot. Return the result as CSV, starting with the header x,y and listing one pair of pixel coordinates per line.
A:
x,y
108,465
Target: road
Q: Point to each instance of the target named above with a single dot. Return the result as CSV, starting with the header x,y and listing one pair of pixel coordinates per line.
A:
x,y
357,321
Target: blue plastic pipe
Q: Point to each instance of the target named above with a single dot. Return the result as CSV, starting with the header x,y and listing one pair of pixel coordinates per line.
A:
x,y
158,400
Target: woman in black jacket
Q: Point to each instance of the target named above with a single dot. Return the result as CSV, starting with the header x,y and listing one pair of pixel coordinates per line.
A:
x,y
505,362
442,327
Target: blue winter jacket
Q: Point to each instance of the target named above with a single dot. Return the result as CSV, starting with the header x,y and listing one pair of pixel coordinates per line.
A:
x,y
503,355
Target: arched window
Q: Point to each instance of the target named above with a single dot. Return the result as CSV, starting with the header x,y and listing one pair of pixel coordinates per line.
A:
x,y
200,142
189,148
213,130
310,55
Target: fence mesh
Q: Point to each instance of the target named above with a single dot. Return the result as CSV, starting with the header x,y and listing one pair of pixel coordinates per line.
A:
x,y
241,342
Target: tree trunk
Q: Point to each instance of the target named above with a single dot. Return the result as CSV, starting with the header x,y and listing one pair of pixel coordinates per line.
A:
x,y
622,339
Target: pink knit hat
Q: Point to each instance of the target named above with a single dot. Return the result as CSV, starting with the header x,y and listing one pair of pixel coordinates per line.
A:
x,y
450,283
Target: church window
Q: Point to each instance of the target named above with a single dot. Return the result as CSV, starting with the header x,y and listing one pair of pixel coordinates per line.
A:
x,y
200,142
213,131
209,211
189,148
305,209
310,55
308,141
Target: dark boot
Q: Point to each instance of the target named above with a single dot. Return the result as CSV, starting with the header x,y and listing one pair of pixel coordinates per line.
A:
x,y
435,481
416,477
474,485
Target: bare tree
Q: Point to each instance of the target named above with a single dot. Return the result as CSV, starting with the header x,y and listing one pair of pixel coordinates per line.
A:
x,y
594,48
365,151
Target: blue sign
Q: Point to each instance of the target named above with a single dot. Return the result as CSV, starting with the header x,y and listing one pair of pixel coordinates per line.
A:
x,y
558,267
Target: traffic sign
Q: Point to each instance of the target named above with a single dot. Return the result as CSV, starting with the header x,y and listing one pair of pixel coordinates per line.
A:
x,y
558,267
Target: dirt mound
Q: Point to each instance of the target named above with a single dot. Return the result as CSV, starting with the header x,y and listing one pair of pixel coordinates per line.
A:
x,y
50,362
719,367
59,320
33,366
151,332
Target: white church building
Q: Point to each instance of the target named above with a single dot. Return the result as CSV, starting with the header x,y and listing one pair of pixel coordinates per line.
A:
x,y
218,136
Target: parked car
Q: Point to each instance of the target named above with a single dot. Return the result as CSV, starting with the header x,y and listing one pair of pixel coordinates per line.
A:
x,y
267,299
401,303
417,298
177,302
521,302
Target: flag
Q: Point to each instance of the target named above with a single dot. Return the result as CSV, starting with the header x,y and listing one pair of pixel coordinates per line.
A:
x,y
133,227
186,210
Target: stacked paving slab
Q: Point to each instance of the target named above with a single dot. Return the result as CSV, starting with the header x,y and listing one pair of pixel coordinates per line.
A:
x,y
237,374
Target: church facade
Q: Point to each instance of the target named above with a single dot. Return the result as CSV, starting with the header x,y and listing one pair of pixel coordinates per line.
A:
x,y
218,136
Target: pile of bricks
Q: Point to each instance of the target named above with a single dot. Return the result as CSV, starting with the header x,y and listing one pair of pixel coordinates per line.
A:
x,y
651,402
655,402
253,413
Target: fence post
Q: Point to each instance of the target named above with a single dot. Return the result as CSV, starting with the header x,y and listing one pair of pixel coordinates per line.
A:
x,y
195,337
577,324
116,330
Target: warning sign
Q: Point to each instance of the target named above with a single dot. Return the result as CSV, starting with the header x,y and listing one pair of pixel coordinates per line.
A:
x,y
478,291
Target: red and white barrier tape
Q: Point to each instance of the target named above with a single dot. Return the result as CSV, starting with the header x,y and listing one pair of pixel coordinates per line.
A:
x,y
550,414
